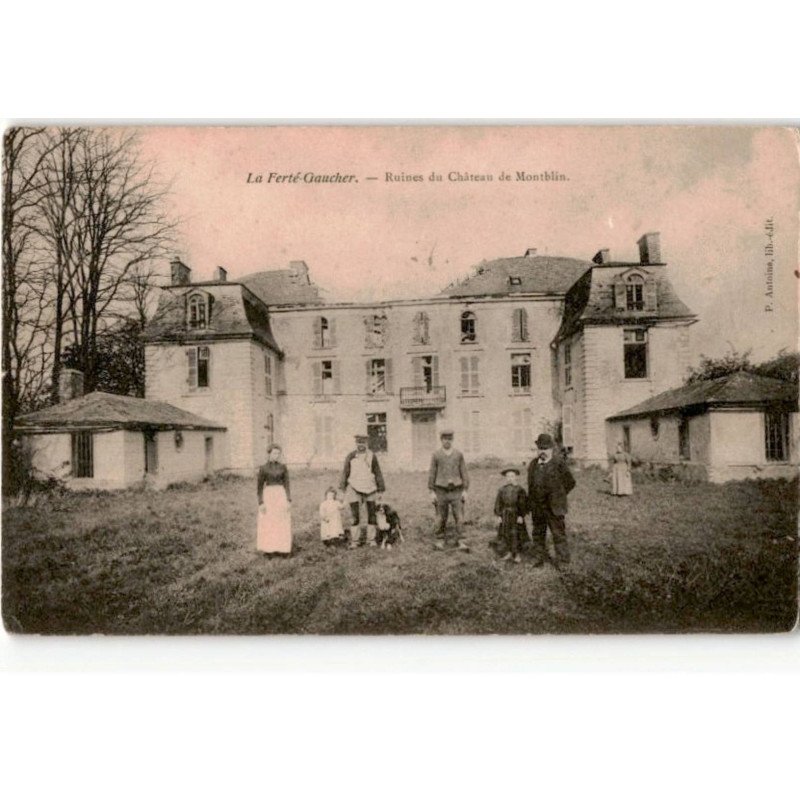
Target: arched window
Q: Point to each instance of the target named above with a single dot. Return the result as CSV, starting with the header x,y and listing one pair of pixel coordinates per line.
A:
x,y
469,330
634,293
198,311
519,323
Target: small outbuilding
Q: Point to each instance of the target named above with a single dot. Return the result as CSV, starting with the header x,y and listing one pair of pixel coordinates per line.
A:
x,y
110,441
739,426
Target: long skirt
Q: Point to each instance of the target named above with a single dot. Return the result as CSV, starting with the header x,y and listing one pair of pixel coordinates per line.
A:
x,y
621,483
275,524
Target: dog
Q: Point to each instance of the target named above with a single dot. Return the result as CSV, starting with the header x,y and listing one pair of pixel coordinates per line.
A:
x,y
390,531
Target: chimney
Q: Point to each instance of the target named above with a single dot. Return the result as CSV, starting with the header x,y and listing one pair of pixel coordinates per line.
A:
x,y
602,256
650,248
221,274
70,384
180,272
298,271
530,252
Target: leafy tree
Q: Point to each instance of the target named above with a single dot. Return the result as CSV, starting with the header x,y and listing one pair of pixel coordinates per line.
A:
x,y
783,366
119,359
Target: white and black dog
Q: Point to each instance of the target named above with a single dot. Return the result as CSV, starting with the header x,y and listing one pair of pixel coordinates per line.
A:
x,y
390,530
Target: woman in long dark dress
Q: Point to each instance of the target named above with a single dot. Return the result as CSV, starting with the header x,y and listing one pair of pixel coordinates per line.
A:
x,y
274,533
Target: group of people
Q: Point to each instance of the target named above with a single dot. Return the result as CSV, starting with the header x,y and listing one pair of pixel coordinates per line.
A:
x,y
376,524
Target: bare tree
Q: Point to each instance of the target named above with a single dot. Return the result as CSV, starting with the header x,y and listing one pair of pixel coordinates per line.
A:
x,y
104,225
26,300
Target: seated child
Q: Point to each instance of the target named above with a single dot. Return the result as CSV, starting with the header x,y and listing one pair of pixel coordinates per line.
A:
x,y
389,529
330,517
510,508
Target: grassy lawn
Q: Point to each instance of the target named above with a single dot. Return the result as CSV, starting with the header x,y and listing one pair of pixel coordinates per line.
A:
x,y
675,557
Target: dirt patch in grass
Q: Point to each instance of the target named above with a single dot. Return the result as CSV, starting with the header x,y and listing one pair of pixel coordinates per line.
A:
x,y
674,557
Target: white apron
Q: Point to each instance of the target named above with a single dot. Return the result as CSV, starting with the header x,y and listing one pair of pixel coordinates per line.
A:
x,y
275,524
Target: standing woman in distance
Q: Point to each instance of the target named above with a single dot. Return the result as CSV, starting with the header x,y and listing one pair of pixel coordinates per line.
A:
x,y
274,506
621,481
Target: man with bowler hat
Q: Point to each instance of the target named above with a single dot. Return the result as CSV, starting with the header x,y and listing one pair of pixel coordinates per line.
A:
x,y
448,482
362,482
549,483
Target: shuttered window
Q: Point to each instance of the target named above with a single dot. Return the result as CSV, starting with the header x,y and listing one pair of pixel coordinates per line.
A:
x,y
268,374
379,376
567,428
521,430
325,377
426,372
470,380
198,367
324,332
471,432
323,435
83,455
519,325
422,324
198,312
568,364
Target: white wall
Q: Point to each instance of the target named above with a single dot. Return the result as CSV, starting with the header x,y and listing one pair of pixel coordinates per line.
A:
x,y
228,400
606,391
496,404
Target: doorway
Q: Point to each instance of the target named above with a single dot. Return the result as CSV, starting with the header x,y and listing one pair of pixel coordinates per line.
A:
x,y
423,438
210,455
150,453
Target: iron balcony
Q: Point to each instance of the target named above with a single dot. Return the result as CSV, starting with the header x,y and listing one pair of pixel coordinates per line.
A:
x,y
412,397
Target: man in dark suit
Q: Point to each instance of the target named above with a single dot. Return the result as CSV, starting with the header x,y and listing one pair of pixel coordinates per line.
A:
x,y
549,483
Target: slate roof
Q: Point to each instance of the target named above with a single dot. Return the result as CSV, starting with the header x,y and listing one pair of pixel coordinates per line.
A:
x,y
104,410
235,313
281,287
537,274
739,389
591,299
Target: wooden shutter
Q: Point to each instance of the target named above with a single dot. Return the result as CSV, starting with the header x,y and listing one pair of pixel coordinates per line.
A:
x,y
523,317
619,295
317,435
464,375
317,332
650,295
369,376
191,357
387,381
435,369
416,369
337,378
316,376
332,332
475,377
516,325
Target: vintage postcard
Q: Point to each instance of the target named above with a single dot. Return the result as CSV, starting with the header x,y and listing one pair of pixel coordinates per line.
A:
x,y
448,379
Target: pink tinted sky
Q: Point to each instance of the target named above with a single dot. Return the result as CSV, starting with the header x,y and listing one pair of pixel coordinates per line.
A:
x,y
708,190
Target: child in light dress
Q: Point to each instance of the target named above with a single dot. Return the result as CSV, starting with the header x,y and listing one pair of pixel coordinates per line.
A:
x,y
331,530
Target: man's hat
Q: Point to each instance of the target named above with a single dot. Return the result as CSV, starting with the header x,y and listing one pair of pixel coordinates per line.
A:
x,y
544,441
509,468
447,432
362,437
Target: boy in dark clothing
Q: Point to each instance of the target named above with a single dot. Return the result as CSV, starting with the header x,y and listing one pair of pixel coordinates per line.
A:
x,y
510,508
549,483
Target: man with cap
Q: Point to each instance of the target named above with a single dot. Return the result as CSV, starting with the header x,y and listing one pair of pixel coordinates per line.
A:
x,y
549,483
448,482
362,482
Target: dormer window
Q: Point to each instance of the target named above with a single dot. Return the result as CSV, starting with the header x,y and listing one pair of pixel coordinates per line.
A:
x,y
634,293
198,312
515,280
